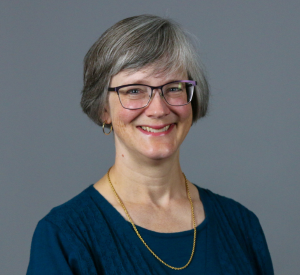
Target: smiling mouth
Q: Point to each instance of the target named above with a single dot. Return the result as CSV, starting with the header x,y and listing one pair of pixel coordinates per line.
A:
x,y
152,130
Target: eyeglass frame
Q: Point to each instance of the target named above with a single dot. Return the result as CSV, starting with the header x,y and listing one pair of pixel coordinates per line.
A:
x,y
116,89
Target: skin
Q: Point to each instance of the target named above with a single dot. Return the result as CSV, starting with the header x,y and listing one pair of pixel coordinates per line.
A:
x,y
147,174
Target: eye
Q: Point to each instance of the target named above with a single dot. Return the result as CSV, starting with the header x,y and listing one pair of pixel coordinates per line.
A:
x,y
133,91
175,87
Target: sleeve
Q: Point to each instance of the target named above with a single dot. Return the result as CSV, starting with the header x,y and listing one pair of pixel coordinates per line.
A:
x,y
51,253
260,248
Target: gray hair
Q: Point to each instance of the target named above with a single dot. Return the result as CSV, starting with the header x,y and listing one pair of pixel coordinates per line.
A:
x,y
134,43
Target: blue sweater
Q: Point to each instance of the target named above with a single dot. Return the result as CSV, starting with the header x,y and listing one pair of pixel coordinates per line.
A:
x,y
87,235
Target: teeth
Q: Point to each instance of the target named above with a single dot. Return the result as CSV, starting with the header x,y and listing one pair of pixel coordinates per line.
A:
x,y
148,129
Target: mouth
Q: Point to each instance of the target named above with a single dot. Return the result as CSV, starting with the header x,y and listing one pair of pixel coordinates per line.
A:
x,y
153,130
156,130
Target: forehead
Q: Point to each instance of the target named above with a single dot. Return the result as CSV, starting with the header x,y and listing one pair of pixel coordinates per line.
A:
x,y
149,75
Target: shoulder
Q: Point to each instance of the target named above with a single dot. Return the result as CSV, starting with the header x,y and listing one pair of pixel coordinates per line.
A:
x,y
71,212
229,213
223,203
71,222
232,221
236,233
62,239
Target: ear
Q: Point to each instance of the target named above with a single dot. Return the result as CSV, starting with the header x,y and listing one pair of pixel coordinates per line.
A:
x,y
106,115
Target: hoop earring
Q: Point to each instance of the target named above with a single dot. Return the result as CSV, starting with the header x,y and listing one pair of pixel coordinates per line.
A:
x,y
111,127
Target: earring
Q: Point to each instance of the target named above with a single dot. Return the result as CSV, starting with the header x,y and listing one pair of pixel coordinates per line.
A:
x,y
111,127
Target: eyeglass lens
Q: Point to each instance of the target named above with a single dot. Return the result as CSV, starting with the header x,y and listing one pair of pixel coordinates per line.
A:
x,y
138,96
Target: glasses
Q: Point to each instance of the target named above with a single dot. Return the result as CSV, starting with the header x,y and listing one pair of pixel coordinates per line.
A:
x,y
138,96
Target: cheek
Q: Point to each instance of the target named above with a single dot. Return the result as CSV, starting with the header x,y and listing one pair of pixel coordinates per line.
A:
x,y
186,119
186,114
122,118
119,116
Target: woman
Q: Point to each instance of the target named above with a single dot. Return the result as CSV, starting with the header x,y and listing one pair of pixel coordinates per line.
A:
x,y
143,84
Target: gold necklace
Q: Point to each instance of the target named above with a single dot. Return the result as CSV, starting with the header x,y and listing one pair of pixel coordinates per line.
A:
x,y
140,237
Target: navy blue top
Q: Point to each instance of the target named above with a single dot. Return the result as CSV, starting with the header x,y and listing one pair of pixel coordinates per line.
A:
x,y
87,235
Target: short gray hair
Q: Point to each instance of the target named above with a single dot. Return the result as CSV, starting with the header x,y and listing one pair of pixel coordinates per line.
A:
x,y
134,43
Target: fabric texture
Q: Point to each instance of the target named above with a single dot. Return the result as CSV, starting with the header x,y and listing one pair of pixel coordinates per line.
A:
x,y
87,235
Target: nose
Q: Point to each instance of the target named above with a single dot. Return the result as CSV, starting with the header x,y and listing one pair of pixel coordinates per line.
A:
x,y
157,107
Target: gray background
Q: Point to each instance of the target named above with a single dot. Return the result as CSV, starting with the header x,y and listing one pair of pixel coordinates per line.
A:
x,y
247,148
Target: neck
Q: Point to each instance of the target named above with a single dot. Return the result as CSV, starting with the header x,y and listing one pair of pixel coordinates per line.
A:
x,y
150,181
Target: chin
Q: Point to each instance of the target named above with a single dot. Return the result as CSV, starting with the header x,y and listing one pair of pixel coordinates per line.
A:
x,y
159,153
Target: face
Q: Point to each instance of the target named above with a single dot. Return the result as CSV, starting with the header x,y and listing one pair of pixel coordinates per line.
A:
x,y
154,132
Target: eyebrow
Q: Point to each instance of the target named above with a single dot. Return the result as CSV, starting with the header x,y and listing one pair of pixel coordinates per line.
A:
x,y
141,82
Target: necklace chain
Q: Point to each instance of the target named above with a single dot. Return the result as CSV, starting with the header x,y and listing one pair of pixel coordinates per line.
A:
x,y
139,235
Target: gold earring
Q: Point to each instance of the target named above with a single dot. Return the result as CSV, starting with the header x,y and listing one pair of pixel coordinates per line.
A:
x,y
111,127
